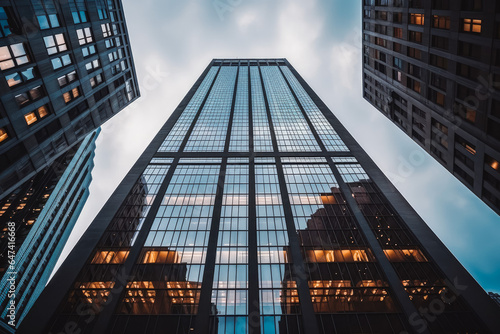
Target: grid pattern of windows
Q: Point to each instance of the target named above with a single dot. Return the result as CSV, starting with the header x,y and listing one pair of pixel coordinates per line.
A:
x,y
343,275
239,132
175,137
261,132
279,301
420,277
292,131
99,275
230,294
325,130
170,268
209,133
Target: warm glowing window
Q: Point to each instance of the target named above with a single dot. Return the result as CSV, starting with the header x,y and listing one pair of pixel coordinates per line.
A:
x,y
71,95
30,118
161,257
359,255
417,19
114,257
471,25
42,111
3,135
405,255
492,163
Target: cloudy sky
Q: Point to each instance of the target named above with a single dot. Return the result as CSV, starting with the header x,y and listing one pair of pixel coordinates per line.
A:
x,y
173,41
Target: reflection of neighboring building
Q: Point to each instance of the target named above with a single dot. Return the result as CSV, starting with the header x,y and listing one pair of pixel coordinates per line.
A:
x,y
44,211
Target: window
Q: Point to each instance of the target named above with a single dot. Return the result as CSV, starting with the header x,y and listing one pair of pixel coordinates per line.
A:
x,y
414,84
96,81
417,19
3,135
103,14
398,32
101,94
109,43
67,78
472,5
397,17
381,15
487,160
55,44
59,62
34,116
84,36
414,53
12,56
441,4
438,81
5,21
398,63
113,56
441,22
471,25
33,94
439,61
93,65
71,95
467,71
436,97
88,50
79,16
106,30
466,112
17,78
440,42
396,47
467,145
48,21
493,129
415,36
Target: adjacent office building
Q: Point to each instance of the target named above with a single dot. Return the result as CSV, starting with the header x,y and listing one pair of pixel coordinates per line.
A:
x,y
65,68
253,210
44,210
433,68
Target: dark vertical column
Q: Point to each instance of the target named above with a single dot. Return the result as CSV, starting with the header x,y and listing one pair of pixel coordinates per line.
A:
x,y
392,277
204,308
253,267
299,274
104,319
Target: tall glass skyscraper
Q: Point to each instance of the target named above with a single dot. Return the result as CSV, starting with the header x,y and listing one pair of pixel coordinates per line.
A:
x,y
255,211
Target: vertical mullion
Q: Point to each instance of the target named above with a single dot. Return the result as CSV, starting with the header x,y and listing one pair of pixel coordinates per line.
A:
x,y
398,290
231,114
310,323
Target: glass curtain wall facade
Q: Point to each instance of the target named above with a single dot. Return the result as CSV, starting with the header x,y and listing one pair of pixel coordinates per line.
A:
x,y
254,211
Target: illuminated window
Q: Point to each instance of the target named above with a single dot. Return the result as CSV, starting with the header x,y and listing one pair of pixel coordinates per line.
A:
x,y
106,30
3,135
71,95
55,44
471,25
84,36
339,255
487,159
405,255
115,257
12,56
34,116
441,22
417,19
